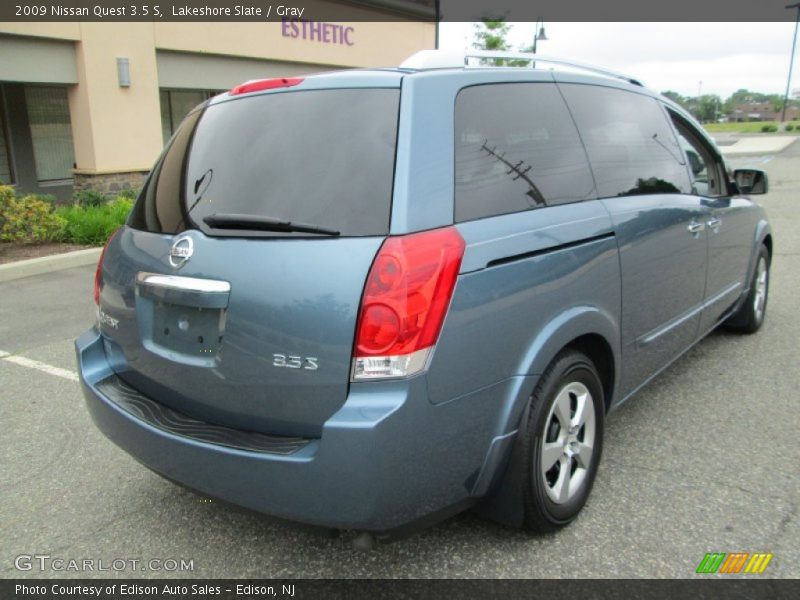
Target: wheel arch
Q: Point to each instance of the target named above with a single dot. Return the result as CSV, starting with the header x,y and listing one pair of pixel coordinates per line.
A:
x,y
767,241
762,237
586,329
589,329
598,350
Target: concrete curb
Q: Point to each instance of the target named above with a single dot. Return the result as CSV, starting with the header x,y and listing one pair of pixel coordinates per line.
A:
x,y
758,145
48,264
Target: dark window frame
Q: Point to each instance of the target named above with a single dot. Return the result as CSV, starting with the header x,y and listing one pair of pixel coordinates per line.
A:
x,y
6,139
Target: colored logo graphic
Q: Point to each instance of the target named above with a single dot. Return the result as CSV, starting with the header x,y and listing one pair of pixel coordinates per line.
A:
x,y
734,562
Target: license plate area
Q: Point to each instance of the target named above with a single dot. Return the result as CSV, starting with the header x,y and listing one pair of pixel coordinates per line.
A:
x,y
182,318
188,330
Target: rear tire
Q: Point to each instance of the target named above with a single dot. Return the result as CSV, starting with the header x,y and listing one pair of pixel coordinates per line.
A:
x,y
562,442
751,314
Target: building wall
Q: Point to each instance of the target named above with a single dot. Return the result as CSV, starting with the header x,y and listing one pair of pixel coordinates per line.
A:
x,y
267,41
117,131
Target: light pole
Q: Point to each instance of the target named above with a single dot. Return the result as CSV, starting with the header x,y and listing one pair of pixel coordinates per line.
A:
x,y
538,33
791,59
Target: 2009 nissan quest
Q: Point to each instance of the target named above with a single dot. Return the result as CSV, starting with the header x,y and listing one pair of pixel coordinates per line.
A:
x,y
369,299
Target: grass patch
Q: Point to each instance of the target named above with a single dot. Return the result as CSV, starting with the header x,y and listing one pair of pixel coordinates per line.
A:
x,y
751,127
93,224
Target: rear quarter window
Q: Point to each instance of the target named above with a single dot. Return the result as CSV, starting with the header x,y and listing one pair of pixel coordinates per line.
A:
x,y
516,148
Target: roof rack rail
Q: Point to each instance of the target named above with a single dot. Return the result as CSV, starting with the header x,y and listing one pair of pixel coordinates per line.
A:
x,y
440,59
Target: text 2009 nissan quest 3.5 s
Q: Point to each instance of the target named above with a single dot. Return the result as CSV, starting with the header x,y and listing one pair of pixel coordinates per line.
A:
x,y
369,299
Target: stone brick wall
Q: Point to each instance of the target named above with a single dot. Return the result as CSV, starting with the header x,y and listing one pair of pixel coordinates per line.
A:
x,y
109,184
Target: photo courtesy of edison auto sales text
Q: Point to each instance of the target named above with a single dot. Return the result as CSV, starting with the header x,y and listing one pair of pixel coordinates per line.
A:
x,y
130,589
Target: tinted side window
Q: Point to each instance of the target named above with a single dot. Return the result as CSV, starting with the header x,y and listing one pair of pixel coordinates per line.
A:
x,y
516,148
630,144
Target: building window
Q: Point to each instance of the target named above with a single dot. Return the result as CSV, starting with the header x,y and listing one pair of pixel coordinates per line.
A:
x,y
51,132
176,104
5,155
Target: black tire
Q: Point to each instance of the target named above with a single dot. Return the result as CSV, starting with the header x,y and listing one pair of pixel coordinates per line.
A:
x,y
748,319
569,371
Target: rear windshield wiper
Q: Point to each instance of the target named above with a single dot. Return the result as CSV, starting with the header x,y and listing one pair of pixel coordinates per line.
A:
x,y
259,223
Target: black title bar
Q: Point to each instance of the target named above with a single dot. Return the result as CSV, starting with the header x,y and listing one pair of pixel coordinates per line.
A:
x,y
388,10
302,589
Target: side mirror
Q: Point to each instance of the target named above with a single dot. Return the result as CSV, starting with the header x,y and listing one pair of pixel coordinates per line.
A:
x,y
751,181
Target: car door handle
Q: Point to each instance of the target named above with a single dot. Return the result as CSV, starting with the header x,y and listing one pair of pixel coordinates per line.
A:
x,y
695,227
714,223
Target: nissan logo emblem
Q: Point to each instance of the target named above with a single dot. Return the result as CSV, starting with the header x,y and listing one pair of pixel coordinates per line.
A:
x,y
181,251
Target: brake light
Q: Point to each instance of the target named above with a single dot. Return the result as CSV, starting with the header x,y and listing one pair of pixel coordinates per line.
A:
x,y
258,85
98,273
405,300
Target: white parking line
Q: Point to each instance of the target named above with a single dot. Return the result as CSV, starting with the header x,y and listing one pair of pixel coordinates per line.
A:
x,y
39,366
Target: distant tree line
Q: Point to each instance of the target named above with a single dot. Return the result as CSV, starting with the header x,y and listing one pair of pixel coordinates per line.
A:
x,y
711,107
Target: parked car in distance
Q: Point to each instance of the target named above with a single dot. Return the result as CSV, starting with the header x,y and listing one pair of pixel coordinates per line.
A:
x,y
370,299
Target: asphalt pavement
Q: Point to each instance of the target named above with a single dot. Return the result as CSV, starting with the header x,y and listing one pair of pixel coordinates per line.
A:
x,y
704,459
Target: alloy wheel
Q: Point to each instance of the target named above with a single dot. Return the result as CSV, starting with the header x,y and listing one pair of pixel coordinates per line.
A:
x,y
760,296
568,442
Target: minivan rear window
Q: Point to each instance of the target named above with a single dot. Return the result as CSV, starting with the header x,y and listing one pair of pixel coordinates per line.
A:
x,y
321,157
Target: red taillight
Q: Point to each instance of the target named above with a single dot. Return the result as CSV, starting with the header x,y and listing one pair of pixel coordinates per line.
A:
x,y
405,300
98,273
258,85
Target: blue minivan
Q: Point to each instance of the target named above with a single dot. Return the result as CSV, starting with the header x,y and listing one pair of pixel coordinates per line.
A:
x,y
370,299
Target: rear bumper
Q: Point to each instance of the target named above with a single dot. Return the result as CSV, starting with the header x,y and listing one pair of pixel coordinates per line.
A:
x,y
387,458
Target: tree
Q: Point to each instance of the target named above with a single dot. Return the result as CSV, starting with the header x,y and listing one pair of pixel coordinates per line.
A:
x,y
740,96
491,35
775,102
675,97
708,107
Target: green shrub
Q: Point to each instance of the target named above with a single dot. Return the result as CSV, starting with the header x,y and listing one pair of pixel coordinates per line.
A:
x,y
94,224
6,193
27,219
89,198
790,127
769,128
129,194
